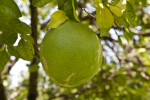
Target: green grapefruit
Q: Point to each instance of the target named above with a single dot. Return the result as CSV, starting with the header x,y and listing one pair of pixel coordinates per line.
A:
x,y
71,54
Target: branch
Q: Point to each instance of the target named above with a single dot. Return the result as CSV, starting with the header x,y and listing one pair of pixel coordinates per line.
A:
x,y
3,94
72,95
8,67
45,24
142,69
143,46
140,33
135,31
14,94
93,17
107,38
32,94
90,16
2,91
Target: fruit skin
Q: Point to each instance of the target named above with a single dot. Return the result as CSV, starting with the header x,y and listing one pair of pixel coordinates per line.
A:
x,y
71,54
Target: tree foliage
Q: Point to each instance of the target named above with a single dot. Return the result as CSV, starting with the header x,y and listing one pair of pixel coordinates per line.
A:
x,y
123,27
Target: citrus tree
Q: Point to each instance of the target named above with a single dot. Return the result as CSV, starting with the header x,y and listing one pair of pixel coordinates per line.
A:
x,y
76,49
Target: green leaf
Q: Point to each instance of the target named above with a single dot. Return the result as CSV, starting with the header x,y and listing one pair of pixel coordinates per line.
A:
x,y
8,10
16,26
119,40
121,4
104,31
116,10
119,8
10,30
128,34
69,7
120,21
10,25
74,11
5,16
4,58
114,2
8,37
25,49
136,3
104,18
132,2
57,19
12,50
130,15
28,38
96,2
9,7
19,27
40,3
9,14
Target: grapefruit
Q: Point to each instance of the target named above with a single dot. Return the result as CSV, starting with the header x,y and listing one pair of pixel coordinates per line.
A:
x,y
71,54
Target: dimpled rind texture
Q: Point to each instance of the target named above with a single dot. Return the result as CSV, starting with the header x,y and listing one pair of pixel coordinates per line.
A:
x,y
71,54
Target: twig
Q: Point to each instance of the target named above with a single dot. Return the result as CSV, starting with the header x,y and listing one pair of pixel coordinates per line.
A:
x,y
140,33
108,38
72,95
89,13
45,24
8,67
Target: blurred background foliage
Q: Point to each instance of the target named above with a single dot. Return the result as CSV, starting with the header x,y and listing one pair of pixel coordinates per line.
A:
x,y
125,70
